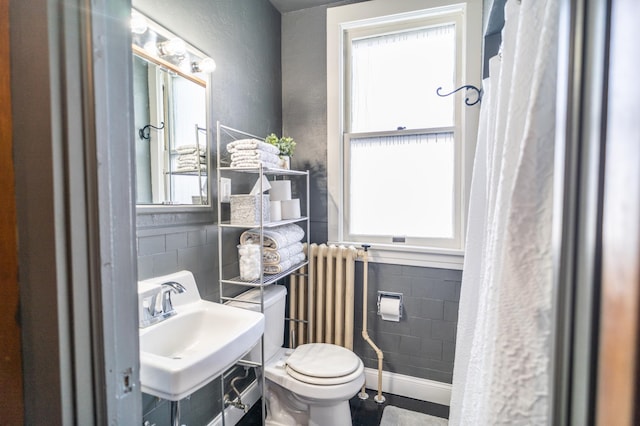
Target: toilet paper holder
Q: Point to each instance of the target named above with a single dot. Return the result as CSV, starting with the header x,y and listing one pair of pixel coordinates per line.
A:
x,y
391,295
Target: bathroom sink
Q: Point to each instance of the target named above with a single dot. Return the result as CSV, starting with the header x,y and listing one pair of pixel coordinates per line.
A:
x,y
181,354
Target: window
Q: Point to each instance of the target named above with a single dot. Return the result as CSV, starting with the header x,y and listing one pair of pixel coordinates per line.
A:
x,y
384,203
400,155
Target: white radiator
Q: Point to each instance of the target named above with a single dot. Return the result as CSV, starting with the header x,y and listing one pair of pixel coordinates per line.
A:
x,y
331,272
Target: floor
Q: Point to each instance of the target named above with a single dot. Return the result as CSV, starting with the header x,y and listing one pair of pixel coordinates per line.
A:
x,y
367,412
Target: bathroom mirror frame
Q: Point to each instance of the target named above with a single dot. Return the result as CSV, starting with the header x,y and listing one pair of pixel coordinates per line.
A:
x,y
149,214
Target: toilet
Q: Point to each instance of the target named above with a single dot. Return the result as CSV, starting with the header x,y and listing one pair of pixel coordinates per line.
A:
x,y
309,385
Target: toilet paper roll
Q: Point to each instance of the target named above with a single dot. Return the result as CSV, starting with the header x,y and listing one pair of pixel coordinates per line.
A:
x,y
390,308
290,208
276,211
280,190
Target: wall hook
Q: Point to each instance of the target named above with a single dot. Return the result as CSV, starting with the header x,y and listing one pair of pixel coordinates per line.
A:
x,y
144,132
466,100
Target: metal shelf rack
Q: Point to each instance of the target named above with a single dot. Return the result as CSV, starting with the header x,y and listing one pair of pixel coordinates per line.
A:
x,y
225,227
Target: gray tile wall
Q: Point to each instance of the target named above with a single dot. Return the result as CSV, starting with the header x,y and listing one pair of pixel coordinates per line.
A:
x,y
422,344
194,248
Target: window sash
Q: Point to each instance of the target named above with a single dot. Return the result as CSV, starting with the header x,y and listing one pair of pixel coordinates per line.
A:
x,y
375,186
377,59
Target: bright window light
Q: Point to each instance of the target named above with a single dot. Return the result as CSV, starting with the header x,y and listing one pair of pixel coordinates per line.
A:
x,y
402,186
394,78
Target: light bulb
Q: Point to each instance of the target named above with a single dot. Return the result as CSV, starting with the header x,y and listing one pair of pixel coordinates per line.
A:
x,y
138,23
173,47
206,65
151,48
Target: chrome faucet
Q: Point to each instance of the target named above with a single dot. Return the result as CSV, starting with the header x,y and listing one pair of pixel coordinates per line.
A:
x,y
166,289
159,307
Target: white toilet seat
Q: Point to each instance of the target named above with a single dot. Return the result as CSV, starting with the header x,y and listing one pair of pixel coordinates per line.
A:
x,y
276,372
323,364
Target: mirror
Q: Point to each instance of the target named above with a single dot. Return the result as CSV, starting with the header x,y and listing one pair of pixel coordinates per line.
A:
x,y
170,119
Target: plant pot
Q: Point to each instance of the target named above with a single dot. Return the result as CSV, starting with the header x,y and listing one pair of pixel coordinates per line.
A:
x,y
285,162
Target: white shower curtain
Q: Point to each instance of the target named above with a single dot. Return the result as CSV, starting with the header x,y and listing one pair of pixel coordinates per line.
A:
x,y
501,370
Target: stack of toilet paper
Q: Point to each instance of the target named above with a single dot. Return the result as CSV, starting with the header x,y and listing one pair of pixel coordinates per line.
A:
x,y
283,207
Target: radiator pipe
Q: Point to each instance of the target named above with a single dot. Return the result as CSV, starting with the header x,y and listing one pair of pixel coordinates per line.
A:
x,y
379,398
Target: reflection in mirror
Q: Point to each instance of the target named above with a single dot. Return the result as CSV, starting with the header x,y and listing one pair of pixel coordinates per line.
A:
x,y
170,117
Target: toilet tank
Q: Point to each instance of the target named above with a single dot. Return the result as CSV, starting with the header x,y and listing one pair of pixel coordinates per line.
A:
x,y
274,306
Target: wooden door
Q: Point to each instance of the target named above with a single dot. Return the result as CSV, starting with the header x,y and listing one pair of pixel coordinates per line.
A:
x,y
11,402
619,350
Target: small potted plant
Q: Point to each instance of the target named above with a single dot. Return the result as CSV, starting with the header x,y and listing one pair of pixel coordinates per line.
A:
x,y
286,145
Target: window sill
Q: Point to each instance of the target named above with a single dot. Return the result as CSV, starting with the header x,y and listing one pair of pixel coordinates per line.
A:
x,y
413,256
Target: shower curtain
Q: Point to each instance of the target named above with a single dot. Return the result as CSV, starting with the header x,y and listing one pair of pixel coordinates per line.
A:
x,y
501,369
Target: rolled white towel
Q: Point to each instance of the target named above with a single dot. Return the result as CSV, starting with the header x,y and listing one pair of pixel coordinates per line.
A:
x,y
284,265
275,256
277,237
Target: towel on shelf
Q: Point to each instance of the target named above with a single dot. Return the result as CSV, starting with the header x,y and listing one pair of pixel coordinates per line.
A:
x,y
254,154
191,149
190,161
192,168
250,144
253,164
275,238
275,256
285,264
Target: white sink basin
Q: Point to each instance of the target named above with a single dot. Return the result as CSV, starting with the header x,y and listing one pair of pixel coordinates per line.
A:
x,y
185,352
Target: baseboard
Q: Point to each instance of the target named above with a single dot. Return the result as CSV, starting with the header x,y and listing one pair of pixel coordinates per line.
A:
x,y
232,415
411,387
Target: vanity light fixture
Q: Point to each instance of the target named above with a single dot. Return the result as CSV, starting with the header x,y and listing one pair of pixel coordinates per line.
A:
x,y
138,23
150,40
173,47
206,65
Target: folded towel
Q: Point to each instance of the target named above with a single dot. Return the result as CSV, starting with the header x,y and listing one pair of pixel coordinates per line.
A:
x,y
253,164
254,154
192,168
245,144
191,149
193,155
275,256
284,265
190,161
275,238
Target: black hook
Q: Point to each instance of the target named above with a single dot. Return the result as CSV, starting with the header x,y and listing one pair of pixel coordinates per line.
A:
x,y
466,100
144,132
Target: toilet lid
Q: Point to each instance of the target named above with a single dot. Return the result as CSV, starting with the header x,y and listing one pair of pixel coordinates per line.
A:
x,y
322,361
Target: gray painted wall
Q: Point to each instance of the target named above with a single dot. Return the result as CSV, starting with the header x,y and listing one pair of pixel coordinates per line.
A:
x,y
243,36
422,344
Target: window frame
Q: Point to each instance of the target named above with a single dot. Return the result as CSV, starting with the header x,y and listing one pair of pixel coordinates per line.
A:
x,y
358,20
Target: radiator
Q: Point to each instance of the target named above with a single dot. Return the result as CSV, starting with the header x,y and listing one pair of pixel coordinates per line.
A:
x,y
326,314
